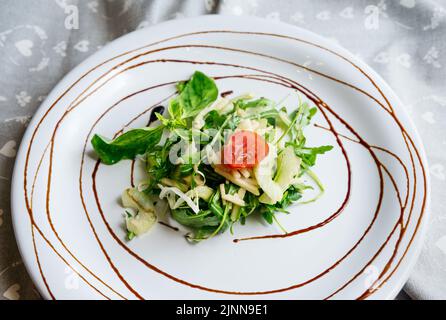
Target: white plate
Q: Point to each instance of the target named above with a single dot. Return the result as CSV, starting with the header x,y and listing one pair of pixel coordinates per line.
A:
x,y
350,245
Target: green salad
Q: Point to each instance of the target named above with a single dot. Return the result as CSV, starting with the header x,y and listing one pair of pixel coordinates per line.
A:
x,y
213,161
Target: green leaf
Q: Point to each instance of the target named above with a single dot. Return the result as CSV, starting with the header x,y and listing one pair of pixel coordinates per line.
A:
x,y
129,215
257,103
307,115
130,235
214,120
198,93
268,216
200,234
309,155
291,195
185,169
214,204
180,86
158,165
128,145
213,179
204,218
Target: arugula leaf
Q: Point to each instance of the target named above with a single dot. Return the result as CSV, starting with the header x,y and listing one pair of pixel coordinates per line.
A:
x,y
213,179
203,218
214,120
268,216
158,165
307,115
200,234
251,205
128,145
270,115
309,155
214,204
185,169
291,195
174,121
198,93
246,104
233,122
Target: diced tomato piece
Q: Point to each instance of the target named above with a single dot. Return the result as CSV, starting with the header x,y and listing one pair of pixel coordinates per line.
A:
x,y
244,149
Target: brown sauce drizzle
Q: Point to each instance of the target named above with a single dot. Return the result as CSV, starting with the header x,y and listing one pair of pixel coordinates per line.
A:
x,y
407,139
39,265
213,290
168,226
392,154
226,93
35,227
80,179
132,175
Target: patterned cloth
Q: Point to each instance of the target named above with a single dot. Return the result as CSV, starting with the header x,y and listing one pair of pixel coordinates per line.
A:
x,y
403,40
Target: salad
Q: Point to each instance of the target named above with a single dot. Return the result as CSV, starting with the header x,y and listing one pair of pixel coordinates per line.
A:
x,y
212,162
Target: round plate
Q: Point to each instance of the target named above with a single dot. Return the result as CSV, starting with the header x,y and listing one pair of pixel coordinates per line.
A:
x,y
358,241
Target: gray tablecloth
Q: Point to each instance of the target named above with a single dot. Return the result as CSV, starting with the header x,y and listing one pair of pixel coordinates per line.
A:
x,y
404,40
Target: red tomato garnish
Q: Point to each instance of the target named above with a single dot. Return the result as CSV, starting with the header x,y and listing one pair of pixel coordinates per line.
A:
x,y
244,149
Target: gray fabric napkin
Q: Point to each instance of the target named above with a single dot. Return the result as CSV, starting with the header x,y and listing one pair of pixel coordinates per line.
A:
x,y
403,40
